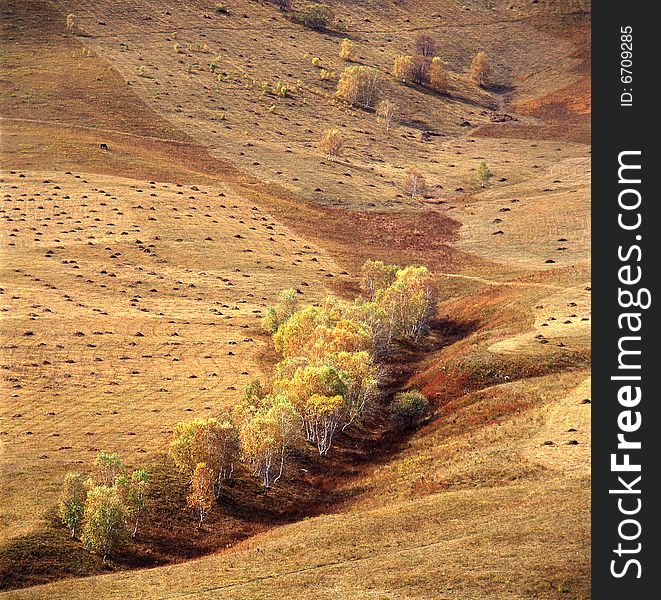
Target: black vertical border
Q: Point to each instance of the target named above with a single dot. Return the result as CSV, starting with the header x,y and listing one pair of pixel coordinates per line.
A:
x,y
615,129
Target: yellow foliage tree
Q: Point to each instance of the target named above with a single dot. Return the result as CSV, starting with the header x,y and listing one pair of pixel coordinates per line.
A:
x,y
201,496
438,76
214,442
481,71
402,68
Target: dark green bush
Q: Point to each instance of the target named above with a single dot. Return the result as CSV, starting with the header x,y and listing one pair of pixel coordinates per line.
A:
x,y
408,408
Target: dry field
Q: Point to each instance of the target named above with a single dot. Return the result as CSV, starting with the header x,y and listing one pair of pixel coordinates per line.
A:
x,y
134,278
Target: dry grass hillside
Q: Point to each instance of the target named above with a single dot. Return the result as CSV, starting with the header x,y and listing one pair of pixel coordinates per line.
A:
x,y
154,205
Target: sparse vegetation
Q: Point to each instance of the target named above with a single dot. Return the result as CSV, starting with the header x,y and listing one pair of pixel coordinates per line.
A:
x,y
331,143
137,294
283,5
359,85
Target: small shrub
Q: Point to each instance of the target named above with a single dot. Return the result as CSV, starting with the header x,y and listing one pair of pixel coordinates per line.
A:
x,y
281,89
325,75
316,61
283,5
408,408
425,45
481,71
331,143
347,50
315,16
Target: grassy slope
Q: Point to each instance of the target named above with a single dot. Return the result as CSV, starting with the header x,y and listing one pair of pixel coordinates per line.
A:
x,y
471,507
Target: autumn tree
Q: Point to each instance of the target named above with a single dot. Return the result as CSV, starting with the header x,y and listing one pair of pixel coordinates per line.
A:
x,y
267,436
359,85
214,442
438,76
72,501
105,518
414,182
279,313
317,394
377,276
109,466
347,50
481,71
331,143
409,302
425,45
483,173
402,68
385,112
134,491
201,496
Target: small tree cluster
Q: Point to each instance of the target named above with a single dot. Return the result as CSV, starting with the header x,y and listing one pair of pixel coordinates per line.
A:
x,y
212,442
277,314
423,68
359,85
331,143
315,16
107,506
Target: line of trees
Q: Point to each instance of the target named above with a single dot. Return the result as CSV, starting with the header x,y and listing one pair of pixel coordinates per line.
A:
x,y
105,507
327,378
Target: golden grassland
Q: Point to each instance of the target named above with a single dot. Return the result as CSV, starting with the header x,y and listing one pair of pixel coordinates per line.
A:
x,y
134,278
